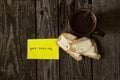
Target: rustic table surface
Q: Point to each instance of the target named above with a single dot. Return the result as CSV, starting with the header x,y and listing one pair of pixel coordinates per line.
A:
x,y
24,19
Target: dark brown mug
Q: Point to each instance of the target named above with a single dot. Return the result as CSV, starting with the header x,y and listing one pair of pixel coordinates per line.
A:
x,y
83,22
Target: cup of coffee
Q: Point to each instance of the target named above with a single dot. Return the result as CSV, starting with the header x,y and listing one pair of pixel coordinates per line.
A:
x,y
83,23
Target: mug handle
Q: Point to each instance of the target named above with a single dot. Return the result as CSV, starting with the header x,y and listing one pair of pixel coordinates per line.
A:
x,y
99,32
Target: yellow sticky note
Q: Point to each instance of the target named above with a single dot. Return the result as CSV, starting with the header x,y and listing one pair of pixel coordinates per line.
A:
x,y
42,49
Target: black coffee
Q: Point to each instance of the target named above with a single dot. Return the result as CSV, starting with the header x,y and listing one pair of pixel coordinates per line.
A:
x,y
82,23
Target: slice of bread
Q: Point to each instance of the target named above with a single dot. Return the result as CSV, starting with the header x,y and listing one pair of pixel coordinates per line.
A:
x,y
86,47
91,53
64,41
81,45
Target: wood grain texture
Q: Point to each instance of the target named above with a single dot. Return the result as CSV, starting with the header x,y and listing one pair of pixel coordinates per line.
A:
x,y
47,27
17,24
23,19
108,16
69,68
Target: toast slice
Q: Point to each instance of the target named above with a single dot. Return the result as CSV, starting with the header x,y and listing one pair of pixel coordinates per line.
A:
x,y
81,45
64,41
91,53
86,47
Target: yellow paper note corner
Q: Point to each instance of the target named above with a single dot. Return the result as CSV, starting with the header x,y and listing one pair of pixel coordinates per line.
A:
x,y
42,49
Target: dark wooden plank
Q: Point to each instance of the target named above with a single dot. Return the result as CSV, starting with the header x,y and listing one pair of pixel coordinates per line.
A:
x,y
47,27
69,68
108,15
17,24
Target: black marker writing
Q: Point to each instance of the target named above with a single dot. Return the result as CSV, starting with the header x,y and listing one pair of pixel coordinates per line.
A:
x,y
40,48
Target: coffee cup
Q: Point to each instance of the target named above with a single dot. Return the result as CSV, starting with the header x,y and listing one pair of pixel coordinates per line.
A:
x,y
83,23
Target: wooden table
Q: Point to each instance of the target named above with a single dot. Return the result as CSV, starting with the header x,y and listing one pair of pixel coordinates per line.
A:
x,y
24,19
